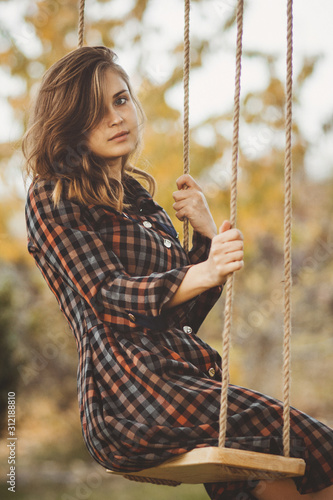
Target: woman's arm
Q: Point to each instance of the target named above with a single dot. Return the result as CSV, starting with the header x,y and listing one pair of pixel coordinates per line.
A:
x,y
226,256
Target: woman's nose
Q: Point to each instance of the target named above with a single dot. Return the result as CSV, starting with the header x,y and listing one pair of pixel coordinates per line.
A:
x,y
113,117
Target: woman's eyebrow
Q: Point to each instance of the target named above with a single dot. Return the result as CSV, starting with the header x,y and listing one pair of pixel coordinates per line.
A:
x,y
120,92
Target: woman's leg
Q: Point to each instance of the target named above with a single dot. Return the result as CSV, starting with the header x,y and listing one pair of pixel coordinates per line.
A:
x,y
286,490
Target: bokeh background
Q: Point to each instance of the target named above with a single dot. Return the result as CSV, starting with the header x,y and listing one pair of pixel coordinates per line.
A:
x,y
38,359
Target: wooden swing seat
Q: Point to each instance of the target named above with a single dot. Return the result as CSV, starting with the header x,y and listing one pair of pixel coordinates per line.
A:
x,y
213,464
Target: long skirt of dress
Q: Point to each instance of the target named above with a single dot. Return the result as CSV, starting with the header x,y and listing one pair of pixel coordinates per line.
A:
x,y
138,413
152,405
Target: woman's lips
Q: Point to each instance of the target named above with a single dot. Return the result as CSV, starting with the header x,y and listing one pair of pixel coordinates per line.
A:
x,y
119,137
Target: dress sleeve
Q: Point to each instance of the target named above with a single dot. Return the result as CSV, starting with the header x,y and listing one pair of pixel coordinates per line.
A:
x,y
200,248
74,251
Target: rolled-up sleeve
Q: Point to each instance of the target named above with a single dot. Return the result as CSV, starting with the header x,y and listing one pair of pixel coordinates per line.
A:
x,y
200,248
76,253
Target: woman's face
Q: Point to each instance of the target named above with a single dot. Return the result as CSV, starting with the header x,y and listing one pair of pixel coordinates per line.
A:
x,y
118,132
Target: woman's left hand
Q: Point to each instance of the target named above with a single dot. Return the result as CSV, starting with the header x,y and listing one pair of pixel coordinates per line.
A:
x,y
191,203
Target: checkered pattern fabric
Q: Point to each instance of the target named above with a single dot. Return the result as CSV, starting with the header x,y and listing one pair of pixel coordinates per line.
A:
x,y
148,386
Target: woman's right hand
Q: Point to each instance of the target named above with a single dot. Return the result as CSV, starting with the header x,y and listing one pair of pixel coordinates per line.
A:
x,y
226,254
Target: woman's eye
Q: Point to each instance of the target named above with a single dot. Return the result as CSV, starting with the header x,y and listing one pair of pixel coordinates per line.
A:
x,y
121,101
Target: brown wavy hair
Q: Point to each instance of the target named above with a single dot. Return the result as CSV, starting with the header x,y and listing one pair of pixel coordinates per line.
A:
x,y
70,103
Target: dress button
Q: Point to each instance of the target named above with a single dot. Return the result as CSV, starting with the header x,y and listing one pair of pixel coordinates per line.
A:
x,y
211,372
167,243
132,317
147,224
187,329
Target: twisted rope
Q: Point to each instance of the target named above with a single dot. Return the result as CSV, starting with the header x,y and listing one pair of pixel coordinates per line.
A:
x,y
233,214
81,23
186,138
141,479
287,235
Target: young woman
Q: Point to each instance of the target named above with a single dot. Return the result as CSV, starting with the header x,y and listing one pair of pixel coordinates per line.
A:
x,y
148,386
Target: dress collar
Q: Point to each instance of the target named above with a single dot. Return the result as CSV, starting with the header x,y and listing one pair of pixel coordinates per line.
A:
x,y
138,197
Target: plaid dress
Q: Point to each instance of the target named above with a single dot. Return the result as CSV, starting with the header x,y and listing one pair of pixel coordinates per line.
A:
x,y
148,386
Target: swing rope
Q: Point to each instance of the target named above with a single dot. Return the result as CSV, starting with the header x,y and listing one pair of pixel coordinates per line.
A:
x,y
81,23
287,233
186,132
233,215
